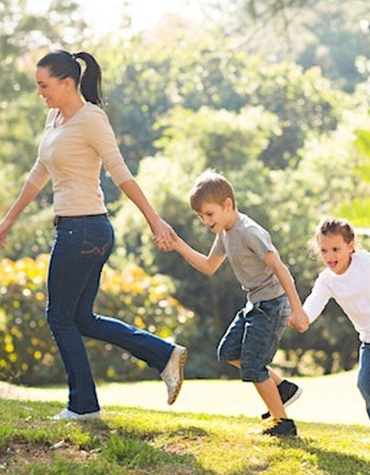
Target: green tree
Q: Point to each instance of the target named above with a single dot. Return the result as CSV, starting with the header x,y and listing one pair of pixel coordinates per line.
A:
x,y
288,201
324,34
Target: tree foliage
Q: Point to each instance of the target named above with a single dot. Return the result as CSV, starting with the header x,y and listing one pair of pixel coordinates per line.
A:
x,y
275,102
289,200
322,33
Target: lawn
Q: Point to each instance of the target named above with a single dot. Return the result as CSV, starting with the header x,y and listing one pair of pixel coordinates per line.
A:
x,y
132,441
209,431
331,399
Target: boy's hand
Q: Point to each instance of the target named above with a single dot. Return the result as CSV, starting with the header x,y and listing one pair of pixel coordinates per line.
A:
x,y
299,321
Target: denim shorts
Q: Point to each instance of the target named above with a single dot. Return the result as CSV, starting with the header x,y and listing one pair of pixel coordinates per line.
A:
x,y
253,337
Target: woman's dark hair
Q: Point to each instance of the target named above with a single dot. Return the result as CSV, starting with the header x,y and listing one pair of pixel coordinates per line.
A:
x,y
63,64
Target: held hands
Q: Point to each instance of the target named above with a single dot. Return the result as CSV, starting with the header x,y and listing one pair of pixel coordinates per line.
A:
x,y
299,321
164,236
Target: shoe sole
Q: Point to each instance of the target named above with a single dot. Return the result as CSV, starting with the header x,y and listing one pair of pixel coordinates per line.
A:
x,y
287,403
81,418
288,434
183,358
295,396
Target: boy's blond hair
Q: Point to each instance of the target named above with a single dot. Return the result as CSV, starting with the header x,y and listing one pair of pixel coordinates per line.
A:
x,y
211,187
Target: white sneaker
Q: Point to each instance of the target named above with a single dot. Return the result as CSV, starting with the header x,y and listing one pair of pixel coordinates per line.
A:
x,y
66,414
173,373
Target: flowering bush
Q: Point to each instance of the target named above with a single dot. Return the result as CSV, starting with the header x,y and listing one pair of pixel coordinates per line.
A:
x,y
28,354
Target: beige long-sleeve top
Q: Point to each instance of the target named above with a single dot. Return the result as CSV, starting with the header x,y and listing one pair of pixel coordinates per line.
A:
x,y
72,154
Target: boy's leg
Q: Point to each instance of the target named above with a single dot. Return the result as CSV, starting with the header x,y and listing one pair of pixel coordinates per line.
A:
x,y
264,326
275,376
271,397
230,345
234,348
288,391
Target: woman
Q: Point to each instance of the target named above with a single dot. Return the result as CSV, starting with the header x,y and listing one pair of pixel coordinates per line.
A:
x,y
78,140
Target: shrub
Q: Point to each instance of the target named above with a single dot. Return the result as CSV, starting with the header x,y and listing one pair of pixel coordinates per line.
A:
x,y
28,354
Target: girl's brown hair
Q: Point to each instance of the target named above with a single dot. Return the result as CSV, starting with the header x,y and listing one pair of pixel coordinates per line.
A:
x,y
336,226
331,226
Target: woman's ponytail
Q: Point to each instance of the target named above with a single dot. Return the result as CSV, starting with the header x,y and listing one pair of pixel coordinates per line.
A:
x,y
90,83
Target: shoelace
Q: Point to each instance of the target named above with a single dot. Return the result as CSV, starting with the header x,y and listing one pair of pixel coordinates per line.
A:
x,y
271,423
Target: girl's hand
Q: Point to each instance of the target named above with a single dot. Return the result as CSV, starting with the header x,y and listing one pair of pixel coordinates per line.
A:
x,y
299,321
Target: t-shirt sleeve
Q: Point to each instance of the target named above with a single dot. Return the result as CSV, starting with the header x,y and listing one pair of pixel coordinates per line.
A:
x,y
259,241
102,139
318,298
218,248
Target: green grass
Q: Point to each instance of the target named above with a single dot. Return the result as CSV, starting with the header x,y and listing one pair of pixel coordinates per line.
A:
x,y
142,441
332,399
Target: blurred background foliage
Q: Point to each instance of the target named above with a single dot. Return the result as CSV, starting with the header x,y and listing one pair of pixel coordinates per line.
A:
x,y
28,354
274,94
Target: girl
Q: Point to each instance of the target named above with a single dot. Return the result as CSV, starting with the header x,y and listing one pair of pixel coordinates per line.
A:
x,y
347,280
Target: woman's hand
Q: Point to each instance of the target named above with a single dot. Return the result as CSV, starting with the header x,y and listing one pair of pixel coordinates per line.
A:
x,y
164,235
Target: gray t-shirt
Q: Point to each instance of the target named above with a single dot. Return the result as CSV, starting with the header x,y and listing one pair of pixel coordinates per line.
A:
x,y
246,245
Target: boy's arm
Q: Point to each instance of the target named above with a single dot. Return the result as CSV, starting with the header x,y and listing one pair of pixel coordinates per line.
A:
x,y
298,318
205,264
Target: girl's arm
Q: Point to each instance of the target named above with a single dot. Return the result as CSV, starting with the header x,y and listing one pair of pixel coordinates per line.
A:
x,y
318,298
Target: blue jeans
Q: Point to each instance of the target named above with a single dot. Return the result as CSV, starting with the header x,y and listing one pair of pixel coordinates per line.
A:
x,y
81,248
253,337
363,380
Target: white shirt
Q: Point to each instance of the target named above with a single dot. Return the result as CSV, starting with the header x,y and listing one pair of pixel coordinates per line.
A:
x,y
351,290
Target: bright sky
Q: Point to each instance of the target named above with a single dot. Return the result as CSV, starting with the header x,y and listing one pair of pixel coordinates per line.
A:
x,y
104,15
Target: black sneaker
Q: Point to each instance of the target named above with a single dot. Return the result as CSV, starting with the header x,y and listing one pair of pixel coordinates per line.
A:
x,y
280,428
289,392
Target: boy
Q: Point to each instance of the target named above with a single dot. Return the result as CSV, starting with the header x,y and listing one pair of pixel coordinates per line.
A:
x,y
252,339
